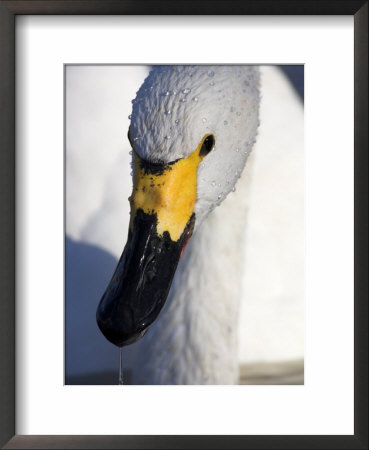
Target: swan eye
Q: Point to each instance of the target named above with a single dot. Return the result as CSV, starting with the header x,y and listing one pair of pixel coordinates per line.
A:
x,y
207,145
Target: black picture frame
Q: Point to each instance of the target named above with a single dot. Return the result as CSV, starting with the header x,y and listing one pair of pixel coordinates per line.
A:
x,y
8,12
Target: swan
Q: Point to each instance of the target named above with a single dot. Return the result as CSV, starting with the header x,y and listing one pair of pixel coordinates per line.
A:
x,y
192,130
98,183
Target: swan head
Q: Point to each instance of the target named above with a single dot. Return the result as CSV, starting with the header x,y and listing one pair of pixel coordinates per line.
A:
x,y
192,129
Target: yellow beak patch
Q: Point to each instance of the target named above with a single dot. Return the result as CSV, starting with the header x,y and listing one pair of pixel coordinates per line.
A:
x,y
167,191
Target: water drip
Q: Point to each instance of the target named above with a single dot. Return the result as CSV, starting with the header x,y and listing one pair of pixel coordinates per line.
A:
x,y
120,380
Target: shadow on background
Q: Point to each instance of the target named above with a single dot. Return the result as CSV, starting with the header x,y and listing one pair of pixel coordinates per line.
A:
x,y
295,73
89,357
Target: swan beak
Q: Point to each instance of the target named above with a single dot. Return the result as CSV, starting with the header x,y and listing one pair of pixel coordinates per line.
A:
x,y
162,222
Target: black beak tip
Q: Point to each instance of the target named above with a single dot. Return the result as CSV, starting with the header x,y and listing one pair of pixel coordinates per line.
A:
x,y
118,334
140,285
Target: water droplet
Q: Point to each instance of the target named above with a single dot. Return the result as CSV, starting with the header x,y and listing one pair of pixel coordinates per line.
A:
x,y
167,137
220,196
183,100
130,152
186,91
167,94
203,120
213,183
195,99
211,83
237,149
234,189
176,121
168,112
225,122
130,117
211,73
219,185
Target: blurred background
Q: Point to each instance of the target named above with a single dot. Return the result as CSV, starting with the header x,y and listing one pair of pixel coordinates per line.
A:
x,y
98,183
